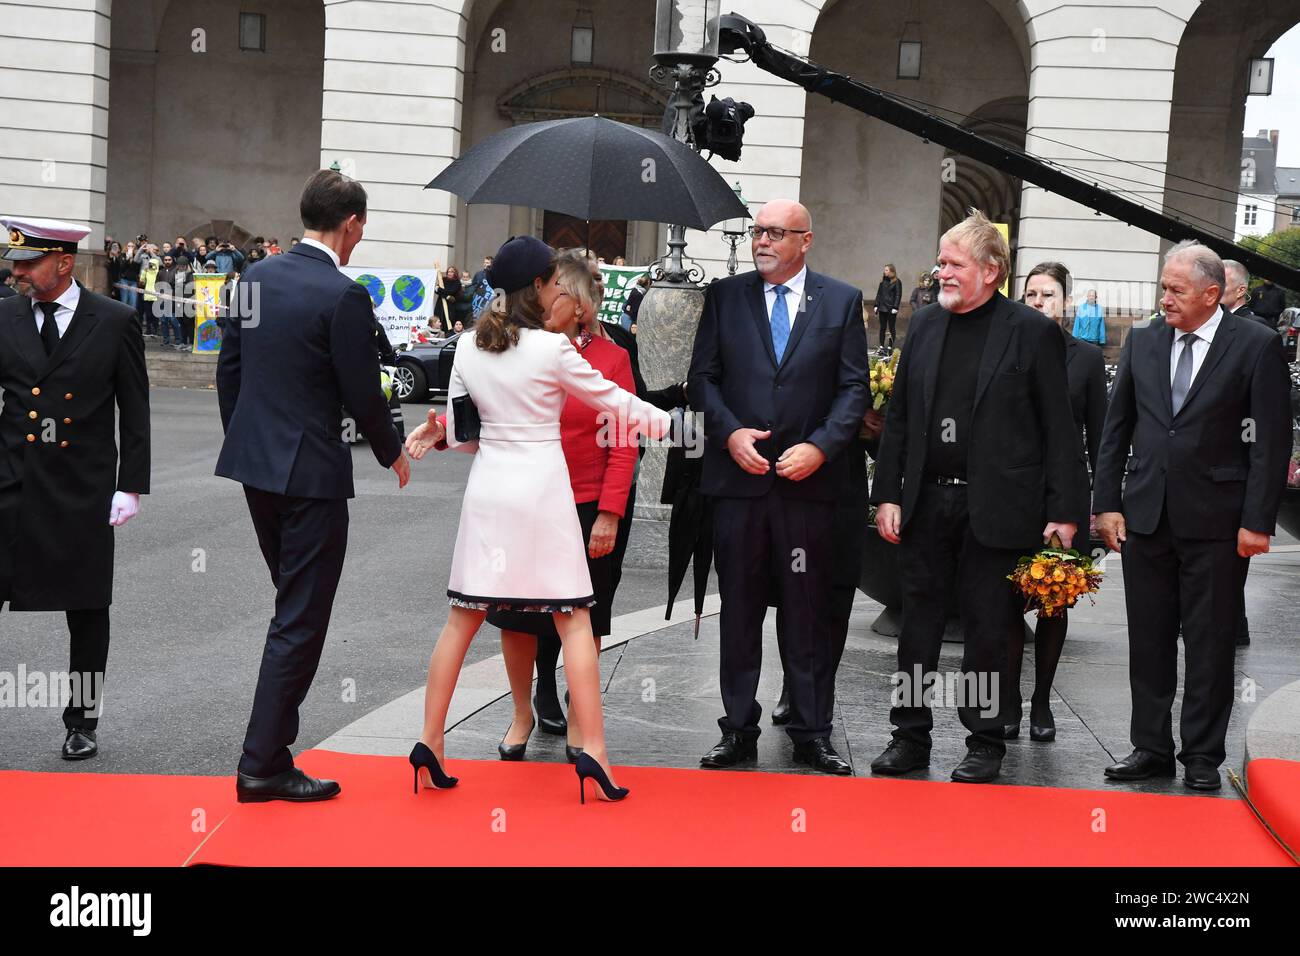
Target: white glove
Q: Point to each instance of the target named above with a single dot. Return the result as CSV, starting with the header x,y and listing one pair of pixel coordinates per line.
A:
x,y
125,507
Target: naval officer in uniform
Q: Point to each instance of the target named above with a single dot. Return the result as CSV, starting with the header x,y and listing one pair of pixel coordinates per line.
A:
x,y
68,356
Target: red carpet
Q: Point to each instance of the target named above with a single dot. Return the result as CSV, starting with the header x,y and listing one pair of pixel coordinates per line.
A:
x,y
505,814
1274,788
103,819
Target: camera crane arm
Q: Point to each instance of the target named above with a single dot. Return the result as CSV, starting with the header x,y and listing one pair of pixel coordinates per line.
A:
x,y
739,33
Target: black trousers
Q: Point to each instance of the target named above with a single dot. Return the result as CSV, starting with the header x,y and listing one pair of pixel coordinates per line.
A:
x,y
87,654
303,541
757,541
1196,584
888,321
939,555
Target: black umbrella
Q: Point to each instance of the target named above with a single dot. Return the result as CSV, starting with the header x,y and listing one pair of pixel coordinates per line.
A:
x,y
690,530
593,168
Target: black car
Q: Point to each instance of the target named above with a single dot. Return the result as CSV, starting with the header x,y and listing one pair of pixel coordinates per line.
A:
x,y
425,370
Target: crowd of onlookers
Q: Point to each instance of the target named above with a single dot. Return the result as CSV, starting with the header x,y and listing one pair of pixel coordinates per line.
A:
x,y
156,279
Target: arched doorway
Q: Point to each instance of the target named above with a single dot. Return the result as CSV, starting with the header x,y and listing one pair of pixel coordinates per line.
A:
x,y
200,129
878,194
520,69
1203,173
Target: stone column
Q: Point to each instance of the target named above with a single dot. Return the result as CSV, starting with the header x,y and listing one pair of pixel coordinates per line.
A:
x,y
391,118
55,131
1101,81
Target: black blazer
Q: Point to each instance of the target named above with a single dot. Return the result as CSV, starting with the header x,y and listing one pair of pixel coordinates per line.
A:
x,y
1085,372
299,347
1025,463
56,487
1202,463
817,394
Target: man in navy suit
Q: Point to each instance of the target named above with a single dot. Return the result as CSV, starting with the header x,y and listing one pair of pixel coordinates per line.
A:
x,y
298,349
779,373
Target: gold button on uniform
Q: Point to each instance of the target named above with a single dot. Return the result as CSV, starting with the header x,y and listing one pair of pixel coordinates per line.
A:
x,y
68,397
63,444
67,421
36,391
31,415
31,438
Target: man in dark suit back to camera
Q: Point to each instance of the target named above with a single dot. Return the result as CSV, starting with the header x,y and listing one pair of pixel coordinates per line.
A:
x,y
779,374
1203,402
299,347
980,463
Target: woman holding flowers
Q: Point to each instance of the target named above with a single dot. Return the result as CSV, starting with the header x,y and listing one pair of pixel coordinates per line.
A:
x,y
1048,289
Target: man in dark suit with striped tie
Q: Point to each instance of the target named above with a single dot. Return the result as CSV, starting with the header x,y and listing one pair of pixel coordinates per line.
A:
x,y
779,374
1202,401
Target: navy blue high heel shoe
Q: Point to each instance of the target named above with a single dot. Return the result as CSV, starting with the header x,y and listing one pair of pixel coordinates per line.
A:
x,y
587,766
422,756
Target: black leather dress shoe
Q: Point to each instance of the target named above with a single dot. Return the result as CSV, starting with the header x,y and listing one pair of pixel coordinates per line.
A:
x,y
292,785
1141,764
901,756
79,744
781,713
729,751
981,765
820,755
1200,774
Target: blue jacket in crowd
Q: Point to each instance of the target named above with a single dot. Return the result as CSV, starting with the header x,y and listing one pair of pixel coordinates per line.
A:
x,y
1090,323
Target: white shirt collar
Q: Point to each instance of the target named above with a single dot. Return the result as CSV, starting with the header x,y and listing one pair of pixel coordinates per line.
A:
x,y
69,300
66,308
334,256
794,284
1206,332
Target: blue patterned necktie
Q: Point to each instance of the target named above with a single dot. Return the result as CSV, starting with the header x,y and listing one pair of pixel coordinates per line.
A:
x,y
780,322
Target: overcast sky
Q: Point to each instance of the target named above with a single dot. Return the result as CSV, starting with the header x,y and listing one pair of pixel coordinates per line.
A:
x,y
1281,111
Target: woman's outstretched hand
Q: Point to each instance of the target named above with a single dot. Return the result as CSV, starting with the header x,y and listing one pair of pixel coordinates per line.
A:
x,y
424,438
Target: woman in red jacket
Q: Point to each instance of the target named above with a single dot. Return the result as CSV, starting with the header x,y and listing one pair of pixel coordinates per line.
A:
x,y
601,469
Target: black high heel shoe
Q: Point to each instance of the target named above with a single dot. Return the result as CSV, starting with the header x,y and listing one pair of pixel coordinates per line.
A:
x,y
422,756
555,726
572,754
1044,732
587,767
514,751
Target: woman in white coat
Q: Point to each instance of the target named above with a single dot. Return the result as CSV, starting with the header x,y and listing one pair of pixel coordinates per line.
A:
x,y
520,545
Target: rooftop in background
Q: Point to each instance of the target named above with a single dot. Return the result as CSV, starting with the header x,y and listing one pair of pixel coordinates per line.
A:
x,y
1259,163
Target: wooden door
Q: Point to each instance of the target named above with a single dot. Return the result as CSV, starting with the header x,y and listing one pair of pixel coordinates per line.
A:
x,y
608,236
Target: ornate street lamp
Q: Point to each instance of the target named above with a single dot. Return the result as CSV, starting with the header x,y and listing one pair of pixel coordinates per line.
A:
x,y
734,231
686,47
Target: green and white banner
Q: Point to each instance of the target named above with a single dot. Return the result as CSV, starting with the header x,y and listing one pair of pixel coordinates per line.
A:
x,y
619,282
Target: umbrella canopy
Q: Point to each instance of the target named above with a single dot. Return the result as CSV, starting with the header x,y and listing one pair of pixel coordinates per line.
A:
x,y
593,168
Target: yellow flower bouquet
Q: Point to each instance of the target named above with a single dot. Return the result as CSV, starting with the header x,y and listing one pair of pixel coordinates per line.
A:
x,y
883,370
1054,579
882,377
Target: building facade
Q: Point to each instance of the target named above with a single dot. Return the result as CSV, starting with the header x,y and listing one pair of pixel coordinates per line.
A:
x,y
172,117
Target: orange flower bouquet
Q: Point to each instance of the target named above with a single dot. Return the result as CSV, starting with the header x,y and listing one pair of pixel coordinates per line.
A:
x,y
1054,579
